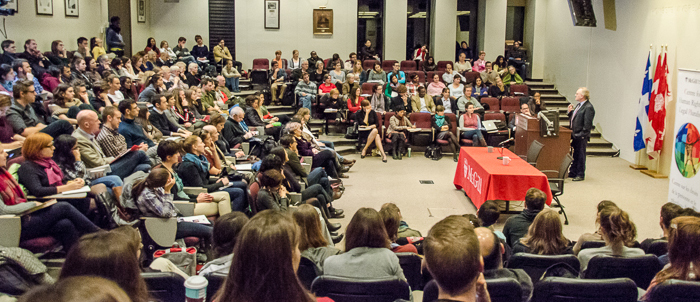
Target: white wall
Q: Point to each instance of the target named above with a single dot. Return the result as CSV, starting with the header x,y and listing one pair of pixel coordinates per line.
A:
x,y
535,32
444,20
611,63
170,21
26,24
296,30
492,27
395,30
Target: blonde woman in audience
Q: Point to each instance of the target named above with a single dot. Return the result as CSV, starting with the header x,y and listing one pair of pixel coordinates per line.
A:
x,y
683,247
499,90
480,64
512,78
544,237
232,76
359,72
463,65
436,86
616,228
318,75
165,48
137,63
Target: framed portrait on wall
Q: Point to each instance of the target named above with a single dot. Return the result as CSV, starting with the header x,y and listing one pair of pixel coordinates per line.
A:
x,y
272,14
141,11
323,21
44,7
71,8
12,4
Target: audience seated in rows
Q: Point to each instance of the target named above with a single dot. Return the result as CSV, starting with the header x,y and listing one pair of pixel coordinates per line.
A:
x,y
544,236
517,226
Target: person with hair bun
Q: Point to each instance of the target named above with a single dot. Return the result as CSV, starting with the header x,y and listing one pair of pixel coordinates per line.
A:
x,y
683,247
616,228
595,236
545,236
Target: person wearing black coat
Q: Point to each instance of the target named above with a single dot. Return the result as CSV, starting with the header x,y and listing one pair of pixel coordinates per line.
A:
x,y
367,118
581,121
253,119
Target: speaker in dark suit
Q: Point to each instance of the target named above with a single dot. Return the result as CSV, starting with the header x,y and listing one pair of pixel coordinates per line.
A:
x,y
581,123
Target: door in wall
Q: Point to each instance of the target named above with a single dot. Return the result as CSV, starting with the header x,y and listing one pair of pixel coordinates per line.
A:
x,y
122,8
222,24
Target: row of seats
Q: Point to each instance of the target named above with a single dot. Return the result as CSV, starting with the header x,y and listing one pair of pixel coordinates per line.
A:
x,y
607,279
387,65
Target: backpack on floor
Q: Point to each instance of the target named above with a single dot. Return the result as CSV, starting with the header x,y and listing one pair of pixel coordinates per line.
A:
x,y
20,271
288,97
268,145
433,152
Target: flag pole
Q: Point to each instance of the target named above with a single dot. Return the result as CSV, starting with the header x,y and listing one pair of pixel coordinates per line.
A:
x,y
655,162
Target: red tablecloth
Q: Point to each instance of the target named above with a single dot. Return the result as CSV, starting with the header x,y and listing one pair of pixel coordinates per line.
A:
x,y
484,177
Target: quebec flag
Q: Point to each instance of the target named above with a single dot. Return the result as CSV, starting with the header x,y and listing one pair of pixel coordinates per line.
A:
x,y
643,113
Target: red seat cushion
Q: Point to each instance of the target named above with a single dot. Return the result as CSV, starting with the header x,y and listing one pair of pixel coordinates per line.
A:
x,y
442,142
191,241
39,245
465,141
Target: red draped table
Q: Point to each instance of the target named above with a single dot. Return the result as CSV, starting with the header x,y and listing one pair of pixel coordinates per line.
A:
x,y
484,177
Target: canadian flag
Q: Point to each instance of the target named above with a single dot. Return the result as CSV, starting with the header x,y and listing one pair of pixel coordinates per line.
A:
x,y
660,95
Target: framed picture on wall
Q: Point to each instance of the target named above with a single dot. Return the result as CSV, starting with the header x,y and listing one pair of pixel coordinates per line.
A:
x,y
272,14
44,7
141,16
323,21
71,8
12,4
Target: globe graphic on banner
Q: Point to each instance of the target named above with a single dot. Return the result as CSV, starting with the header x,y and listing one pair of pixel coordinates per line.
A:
x,y
687,150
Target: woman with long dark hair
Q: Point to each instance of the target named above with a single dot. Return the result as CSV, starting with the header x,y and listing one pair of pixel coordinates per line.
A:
x,y
110,255
255,263
367,118
67,156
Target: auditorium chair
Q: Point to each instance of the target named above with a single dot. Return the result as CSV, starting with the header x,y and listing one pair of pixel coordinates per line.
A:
x,y
463,141
360,290
216,281
470,76
408,65
165,286
510,105
422,120
325,64
500,290
453,121
675,291
559,289
388,65
259,79
368,64
366,89
11,226
658,248
160,233
533,153
253,190
494,104
495,138
556,185
432,73
641,269
307,272
263,64
535,265
519,90
411,266
421,75
442,65
592,244
284,65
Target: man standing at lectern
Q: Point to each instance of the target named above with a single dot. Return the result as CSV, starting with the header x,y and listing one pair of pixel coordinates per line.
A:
x,y
581,123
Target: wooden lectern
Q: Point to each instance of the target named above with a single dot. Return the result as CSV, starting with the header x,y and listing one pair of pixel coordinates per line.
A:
x,y
527,129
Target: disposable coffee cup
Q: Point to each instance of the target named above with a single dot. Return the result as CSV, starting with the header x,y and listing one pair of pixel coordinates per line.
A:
x,y
196,289
409,152
246,147
506,160
489,149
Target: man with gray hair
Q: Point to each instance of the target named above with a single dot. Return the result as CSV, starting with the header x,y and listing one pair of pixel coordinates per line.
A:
x,y
236,132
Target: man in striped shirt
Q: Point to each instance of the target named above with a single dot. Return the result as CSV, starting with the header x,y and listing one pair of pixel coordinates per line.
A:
x,y
306,91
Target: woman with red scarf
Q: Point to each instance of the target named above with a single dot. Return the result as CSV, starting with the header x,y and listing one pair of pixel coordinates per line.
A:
x,y
61,220
42,176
